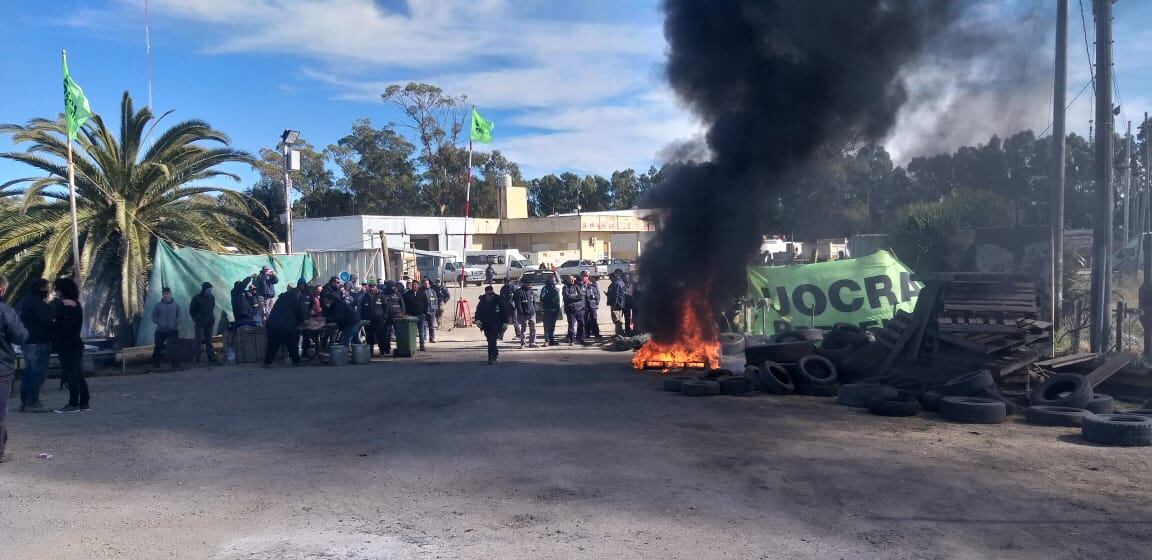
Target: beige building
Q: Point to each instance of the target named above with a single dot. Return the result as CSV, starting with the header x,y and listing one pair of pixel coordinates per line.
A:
x,y
551,239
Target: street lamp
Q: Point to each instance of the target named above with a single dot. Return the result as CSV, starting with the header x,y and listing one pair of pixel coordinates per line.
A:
x,y
291,163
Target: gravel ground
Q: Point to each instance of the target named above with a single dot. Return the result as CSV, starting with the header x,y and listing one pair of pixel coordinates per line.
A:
x,y
552,453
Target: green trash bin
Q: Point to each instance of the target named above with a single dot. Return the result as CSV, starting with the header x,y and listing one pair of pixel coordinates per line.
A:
x,y
406,337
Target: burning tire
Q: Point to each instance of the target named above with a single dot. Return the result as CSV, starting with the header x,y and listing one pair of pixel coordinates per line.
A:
x,y
1064,389
672,384
731,344
861,395
734,385
1056,416
775,379
700,388
969,384
814,370
1128,430
1101,404
899,406
973,410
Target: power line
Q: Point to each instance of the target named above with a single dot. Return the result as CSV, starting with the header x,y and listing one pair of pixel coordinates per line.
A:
x,y
1078,94
1087,45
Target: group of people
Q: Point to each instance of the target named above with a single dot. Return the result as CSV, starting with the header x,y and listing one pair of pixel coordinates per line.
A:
x,y
46,319
579,300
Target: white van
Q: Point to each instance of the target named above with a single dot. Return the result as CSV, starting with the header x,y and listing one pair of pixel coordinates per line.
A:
x,y
507,264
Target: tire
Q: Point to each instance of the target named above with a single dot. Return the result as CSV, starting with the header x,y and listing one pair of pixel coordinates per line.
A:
x,y
788,336
785,352
1063,389
969,384
810,334
861,395
753,374
1101,404
1138,411
818,390
775,379
848,327
716,374
837,354
700,388
731,344
1128,430
1042,415
862,363
735,385
973,410
1010,407
814,370
673,384
930,400
899,406
840,338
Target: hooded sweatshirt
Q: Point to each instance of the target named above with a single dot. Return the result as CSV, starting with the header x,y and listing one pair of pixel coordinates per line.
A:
x,y
166,315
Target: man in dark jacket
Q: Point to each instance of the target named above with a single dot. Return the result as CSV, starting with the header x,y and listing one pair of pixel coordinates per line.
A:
x,y
416,305
336,310
12,332
490,317
573,296
615,296
443,296
506,293
202,309
283,327
433,298
550,309
372,310
393,311
523,301
265,283
489,275
242,305
591,305
36,314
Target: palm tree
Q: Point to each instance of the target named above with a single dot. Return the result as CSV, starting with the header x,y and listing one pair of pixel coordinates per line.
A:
x,y
129,195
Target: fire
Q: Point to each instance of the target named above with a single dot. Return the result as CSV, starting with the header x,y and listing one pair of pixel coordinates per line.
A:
x,y
694,345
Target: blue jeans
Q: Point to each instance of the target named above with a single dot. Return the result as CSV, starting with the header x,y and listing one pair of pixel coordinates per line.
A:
x,y
430,324
421,325
35,370
351,334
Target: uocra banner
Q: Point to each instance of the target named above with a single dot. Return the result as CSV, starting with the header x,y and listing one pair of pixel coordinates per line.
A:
x,y
862,291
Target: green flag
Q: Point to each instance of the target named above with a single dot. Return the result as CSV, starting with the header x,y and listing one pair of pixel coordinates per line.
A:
x,y
76,109
481,129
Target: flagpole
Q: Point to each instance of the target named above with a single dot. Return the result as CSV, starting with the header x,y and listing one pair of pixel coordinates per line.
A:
x,y
467,212
72,197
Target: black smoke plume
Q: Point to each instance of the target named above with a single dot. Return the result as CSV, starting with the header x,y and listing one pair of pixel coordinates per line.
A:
x,y
773,80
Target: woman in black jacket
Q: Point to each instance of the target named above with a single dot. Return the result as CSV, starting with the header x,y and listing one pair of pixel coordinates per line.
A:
x,y
66,342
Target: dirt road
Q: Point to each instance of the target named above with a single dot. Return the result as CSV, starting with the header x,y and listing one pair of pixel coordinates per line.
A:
x,y
549,454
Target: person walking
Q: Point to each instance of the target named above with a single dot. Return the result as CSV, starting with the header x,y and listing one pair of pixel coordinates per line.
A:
x,y
416,305
265,283
523,302
490,316
12,333
36,315
591,305
67,343
573,297
489,275
443,295
283,326
550,309
433,298
202,310
615,297
166,317
506,293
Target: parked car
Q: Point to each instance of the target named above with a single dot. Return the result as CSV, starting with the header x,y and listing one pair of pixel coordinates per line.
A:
x,y
507,264
574,268
537,279
607,266
463,275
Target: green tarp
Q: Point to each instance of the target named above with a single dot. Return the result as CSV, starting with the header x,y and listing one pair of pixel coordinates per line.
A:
x,y
862,291
184,270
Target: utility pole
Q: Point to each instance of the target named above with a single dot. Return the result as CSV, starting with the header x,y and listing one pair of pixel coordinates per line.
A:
x,y
1102,236
1056,202
1128,186
1146,224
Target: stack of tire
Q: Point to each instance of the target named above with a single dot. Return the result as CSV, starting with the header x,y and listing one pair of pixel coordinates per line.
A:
x,y
791,363
1067,399
970,398
715,382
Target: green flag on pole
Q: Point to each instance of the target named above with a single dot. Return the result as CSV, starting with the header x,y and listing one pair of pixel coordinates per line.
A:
x,y
481,129
76,109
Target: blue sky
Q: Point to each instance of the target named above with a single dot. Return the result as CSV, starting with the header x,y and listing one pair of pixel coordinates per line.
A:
x,y
571,85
